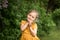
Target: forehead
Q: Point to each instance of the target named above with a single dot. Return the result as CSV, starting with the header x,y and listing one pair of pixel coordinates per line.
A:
x,y
33,13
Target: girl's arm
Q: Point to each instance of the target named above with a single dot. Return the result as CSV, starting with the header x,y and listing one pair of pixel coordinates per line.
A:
x,y
23,26
33,32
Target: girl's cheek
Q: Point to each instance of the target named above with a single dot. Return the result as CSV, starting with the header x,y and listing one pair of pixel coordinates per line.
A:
x,y
33,19
28,16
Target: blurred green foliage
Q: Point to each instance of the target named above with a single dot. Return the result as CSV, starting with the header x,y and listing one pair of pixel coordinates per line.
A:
x,y
17,11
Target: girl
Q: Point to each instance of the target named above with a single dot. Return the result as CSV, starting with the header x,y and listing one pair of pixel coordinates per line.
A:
x,y
29,27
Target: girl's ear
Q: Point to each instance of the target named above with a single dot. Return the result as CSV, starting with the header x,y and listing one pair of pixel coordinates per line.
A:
x,y
37,16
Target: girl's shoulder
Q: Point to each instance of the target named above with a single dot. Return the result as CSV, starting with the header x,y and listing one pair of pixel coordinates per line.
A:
x,y
23,21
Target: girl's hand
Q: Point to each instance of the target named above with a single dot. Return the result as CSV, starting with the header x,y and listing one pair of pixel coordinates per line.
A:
x,y
24,26
33,32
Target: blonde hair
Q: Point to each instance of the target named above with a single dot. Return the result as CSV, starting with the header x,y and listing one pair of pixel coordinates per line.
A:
x,y
34,11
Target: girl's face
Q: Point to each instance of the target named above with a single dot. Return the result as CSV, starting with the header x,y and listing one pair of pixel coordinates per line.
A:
x,y
31,16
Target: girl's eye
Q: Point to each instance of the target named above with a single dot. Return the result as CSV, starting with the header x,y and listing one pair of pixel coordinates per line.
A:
x,y
32,17
29,15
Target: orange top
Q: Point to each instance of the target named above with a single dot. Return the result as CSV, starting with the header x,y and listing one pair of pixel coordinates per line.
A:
x,y
26,34
27,30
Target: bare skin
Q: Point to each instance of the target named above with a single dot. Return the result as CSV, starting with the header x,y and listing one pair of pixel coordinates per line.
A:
x,y
24,26
30,19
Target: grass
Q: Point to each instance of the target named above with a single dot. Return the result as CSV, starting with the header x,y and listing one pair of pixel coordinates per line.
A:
x,y
54,35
